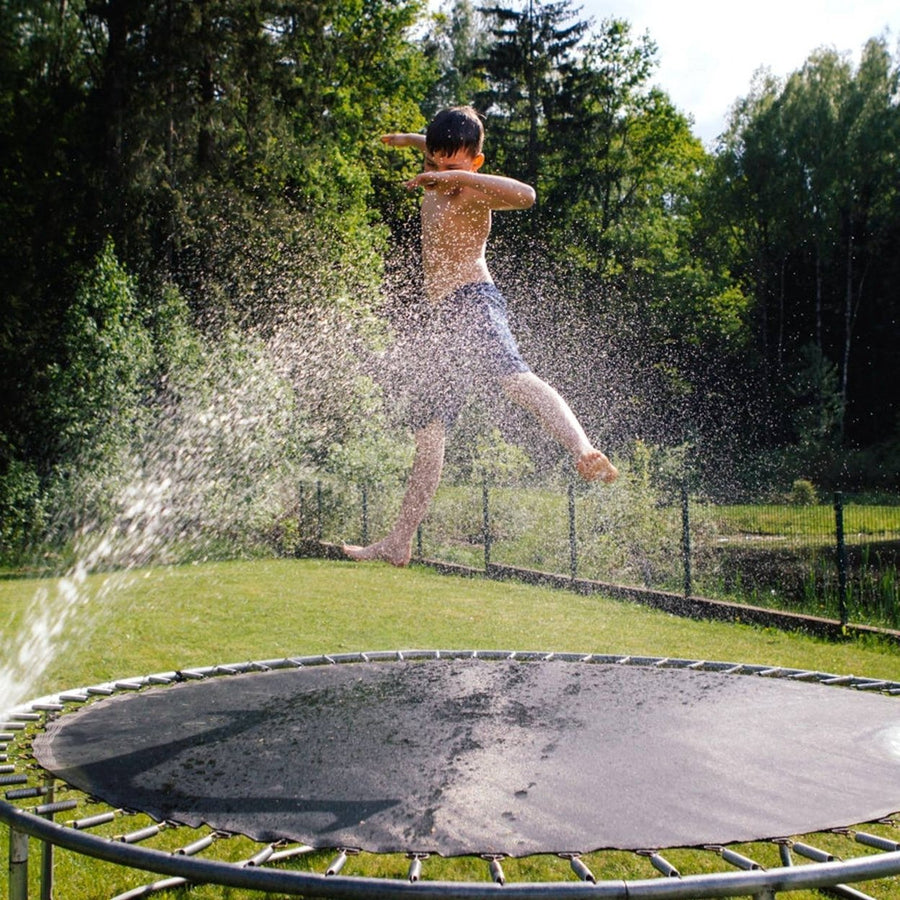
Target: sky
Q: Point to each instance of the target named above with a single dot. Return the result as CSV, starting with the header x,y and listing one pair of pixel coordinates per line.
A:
x,y
708,50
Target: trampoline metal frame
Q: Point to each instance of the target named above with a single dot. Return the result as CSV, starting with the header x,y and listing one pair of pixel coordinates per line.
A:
x,y
182,867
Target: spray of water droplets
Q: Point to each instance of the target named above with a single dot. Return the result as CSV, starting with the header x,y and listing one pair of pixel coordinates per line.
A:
x,y
229,443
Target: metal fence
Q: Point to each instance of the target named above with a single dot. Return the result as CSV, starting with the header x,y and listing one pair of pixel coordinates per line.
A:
x,y
836,558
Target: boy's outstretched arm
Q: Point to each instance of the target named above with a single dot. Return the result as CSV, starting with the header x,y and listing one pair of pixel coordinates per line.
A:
x,y
405,139
494,191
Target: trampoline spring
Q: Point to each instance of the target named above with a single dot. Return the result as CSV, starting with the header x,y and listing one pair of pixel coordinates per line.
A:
x,y
13,779
100,691
739,860
579,867
49,809
340,861
153,888
843,890
838,679
291,853
6,770
73,698
784,852
415,866
873,840
196,846
47,707
806,675
3,757
495,868
661,864
93,821
11,726
142,834
26,717
26,793
813,853
5,737
259,858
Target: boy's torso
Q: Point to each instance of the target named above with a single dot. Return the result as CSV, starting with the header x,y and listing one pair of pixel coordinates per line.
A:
x,y
454,235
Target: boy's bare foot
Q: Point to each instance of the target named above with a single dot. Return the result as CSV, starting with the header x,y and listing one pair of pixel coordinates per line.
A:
x,y
593,465
382,550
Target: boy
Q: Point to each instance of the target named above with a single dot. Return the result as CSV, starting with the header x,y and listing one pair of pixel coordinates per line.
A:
x,y
466,338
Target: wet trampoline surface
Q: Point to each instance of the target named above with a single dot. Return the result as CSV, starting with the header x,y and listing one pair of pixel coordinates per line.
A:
x,y
472,756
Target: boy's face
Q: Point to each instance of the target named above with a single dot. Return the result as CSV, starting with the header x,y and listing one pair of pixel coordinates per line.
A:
x,y
460,161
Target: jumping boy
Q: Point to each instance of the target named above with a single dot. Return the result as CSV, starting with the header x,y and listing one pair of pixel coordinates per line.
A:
x,y
465,339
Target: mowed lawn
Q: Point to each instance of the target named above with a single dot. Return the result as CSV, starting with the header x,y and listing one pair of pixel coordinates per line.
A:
x,y
157,620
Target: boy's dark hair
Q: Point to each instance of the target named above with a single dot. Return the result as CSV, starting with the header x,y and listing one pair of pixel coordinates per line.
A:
x,y
454,129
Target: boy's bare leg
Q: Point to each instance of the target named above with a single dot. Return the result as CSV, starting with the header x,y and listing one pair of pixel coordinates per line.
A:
x,y
535,395
396,546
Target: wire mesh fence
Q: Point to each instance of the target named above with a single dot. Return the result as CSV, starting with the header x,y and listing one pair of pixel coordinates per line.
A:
x,y
835,557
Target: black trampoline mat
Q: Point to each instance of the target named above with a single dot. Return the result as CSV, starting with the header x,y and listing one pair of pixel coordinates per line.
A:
x,y
460,756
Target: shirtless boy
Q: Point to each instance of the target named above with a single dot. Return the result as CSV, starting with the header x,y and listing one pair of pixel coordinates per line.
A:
x,y
466,339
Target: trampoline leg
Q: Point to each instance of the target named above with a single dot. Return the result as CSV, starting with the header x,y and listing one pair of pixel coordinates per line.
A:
x,y
18,865
767,894
46,871
47,852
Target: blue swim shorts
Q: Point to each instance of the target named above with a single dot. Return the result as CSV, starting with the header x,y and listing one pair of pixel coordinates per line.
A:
x,y
458,345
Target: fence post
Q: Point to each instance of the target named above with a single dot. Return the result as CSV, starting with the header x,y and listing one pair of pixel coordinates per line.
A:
x,y
419,540
319,510
486,524
573,534
365,514
686,540
841,555
301,508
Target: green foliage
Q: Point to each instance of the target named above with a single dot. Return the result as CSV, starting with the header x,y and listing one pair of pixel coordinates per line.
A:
x,y
804,179
95,391
803,493
370,452
499,462
21,511
458,42
230,153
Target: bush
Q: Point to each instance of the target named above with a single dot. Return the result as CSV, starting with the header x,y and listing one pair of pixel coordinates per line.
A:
x,y
21,511
803,493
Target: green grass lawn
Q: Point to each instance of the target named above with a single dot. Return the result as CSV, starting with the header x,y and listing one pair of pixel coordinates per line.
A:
x,y
787,520
156,620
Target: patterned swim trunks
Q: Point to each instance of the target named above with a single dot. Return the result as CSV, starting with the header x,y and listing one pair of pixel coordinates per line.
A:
x,y
459,344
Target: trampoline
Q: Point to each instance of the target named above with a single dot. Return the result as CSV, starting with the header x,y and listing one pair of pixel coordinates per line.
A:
x,y
492,754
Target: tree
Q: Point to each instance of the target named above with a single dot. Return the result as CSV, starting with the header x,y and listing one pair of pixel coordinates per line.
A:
x,y
805,172
532,50
457,43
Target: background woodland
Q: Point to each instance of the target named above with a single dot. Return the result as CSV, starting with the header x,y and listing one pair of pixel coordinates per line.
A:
x,y
200,227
